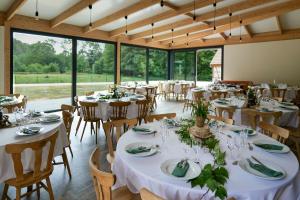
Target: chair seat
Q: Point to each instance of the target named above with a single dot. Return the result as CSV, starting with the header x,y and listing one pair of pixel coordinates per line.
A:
x,y
110,159
92,120
28,179
123,193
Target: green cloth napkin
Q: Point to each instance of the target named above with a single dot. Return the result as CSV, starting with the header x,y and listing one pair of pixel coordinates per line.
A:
x,y
29,131
287,108
287,103
249,131
140,149
264,169
140,129
270,146
181,169
221,102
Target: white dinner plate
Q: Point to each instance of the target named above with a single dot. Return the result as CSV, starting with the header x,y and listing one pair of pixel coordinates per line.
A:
x,y
154,149
38,128
50,118
168,166
285,149
246,167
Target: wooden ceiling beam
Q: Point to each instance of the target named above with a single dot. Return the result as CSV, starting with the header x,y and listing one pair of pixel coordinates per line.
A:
x,y
12,10
223,35
165,15
203,17
260,37
247,18
279,25
121,13
248,31
176,8
2,18
70,12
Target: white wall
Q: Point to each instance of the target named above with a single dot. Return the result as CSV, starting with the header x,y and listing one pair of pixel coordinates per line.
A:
x,y
1,59
263,62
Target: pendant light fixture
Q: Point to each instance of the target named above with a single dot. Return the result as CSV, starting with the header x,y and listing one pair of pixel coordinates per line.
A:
x,y
126,31
36,10
152,25
241,21
187,39
90,7
162,3
230,15
215,12
172,36
194,15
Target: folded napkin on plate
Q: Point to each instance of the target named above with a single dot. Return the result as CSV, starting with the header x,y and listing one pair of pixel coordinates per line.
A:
x,y
287,108
181,169
140,149
171,122
264,110
264,169
29,131
141,129
270,146
222,102
287,103
249,131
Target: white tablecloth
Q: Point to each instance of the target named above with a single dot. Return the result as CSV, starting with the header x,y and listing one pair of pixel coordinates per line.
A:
x,y
290,94
177,86
207,93
9,136
137,173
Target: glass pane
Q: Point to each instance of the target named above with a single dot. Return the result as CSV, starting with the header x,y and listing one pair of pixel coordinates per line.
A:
x,y
184,66
42,70
133,63
158,65
209,64
95,66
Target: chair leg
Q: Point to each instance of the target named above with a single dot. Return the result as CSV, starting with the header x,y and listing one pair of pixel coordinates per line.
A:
x,y
5,190
78,125
50,191
38,191
18,193
70,149
97,124
29,190
66,162
83,131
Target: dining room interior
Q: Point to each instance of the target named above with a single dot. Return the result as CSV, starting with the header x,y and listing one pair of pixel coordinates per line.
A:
x,y
150,99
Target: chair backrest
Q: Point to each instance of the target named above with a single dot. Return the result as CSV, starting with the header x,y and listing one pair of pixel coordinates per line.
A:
x,y
238,92
89,93
270,117
218,94
68,120
37,147
119,110
198,96
150,91
88,110
278,93
124,124
67,107
171,87
130,89
12,107
103,181
226,121
276,132
158,117
147,195
184,88
143,109
251,116
77,106
229,109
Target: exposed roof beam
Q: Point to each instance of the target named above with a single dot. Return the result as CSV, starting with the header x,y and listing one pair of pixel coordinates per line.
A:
x,y
206,16
248,31
248,18
2,18
174,7
165,15
223,35
12,10
121,13
260,37
70,12
279,24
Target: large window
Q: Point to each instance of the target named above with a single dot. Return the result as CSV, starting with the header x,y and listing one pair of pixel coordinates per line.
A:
x,y
158,65
133,63
42,70
184,65
95,66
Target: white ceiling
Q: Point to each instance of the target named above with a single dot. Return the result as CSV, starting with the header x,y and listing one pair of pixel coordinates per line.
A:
x,y
48,9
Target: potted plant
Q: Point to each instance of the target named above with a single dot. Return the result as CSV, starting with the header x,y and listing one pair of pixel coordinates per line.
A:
x,y
200,111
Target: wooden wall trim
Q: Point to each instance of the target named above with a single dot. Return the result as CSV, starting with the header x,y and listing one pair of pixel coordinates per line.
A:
x,y
118,69
7,58
2,18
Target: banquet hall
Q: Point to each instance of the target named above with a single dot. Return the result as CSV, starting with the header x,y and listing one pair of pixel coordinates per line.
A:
x,y
150,99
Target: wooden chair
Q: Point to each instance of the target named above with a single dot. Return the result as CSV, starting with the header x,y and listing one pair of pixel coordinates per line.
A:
x,y
143,109
170,91
89,93
148,195
217,118
218,95
158,117
103,181
37,175
77,107
238,93
89,115
251,115
119,110
276,132
278,94
120,126
17,95
11,108
150,91
197,97
183,91
229,109
296,101
130,89
67,107
270,117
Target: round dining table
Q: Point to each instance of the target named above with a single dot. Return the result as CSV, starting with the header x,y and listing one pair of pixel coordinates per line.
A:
x,y
10,136
145,172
